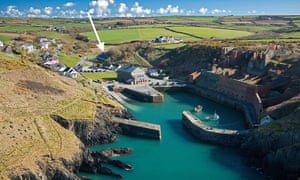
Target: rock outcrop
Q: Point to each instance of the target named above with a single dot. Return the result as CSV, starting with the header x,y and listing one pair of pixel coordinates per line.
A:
x,y
99,131
54,168
275,147
94,161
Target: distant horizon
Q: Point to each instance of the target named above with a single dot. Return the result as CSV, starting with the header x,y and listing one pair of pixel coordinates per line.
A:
x,y
146,8
157,16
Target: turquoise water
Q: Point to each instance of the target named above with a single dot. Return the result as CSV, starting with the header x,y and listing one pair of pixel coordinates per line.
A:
x,y
179,155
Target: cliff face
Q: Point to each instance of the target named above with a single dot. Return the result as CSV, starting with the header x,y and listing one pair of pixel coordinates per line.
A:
x,y
275,147
53,168
99,131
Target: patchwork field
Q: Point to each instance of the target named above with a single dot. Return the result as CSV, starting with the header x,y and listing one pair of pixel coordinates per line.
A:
x,y
186,33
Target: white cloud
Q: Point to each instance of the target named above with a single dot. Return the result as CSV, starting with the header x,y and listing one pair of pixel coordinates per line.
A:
x,y
139,10
69,4
34,11
170,10
203,10
100,7
13,11
68,13
122,8
252,12
48,10
220,11
189,12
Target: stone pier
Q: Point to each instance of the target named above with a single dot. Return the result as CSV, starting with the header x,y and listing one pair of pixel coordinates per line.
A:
x,y
142,93
212,135
138,128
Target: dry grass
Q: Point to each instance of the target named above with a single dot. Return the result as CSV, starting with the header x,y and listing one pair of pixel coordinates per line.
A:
x,y
28,96
28,139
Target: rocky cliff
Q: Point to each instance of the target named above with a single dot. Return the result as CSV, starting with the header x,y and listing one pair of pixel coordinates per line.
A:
x,y
275,147
99,131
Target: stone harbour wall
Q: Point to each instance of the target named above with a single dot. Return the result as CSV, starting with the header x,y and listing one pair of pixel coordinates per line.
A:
x,y
211,135
138,128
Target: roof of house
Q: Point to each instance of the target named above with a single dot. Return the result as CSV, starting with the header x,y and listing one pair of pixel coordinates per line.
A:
x,y
127,68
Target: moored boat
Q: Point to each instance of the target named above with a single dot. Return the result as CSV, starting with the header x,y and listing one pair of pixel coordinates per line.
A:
x,y
198,108
213,117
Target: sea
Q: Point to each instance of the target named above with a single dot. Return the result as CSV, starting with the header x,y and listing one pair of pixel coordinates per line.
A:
x,y
179,155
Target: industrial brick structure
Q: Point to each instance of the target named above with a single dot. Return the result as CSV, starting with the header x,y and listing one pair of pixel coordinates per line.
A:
x,y
241,92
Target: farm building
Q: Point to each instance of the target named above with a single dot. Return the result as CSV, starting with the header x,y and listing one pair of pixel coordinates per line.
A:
x,y
131,74
70,72
166,39
28,47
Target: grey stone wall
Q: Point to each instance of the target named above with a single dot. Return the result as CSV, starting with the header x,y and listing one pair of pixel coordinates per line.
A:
x,y
212,135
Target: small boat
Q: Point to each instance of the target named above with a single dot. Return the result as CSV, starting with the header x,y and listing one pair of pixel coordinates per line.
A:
x,y
198,108
213,117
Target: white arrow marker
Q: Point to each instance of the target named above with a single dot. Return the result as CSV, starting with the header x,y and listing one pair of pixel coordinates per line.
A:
x,y
100,44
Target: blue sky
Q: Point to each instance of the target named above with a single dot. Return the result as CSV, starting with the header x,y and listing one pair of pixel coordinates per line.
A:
x,y
141,8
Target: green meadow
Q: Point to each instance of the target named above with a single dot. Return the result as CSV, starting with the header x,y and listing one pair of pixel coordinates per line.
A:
x,y
6,39
18,28
147,32
117,36
203,32
107,76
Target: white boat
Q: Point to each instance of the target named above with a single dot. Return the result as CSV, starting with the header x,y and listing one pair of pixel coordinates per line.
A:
x,y
198,108
213,117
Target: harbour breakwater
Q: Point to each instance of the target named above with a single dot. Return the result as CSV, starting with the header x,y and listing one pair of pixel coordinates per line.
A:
x,y
247,108
141,93
212,135
138,128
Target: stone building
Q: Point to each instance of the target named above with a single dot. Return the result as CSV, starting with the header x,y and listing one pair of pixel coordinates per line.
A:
x,y
242,92
131,74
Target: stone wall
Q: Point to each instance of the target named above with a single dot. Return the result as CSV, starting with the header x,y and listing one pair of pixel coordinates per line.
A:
x,y
138,128
143,96
212,135
237,91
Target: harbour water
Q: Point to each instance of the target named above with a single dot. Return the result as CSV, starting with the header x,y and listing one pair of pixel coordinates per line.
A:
x,y
179,155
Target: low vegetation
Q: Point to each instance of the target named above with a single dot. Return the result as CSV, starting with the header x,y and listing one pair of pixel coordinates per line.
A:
x,y
29,94
104,76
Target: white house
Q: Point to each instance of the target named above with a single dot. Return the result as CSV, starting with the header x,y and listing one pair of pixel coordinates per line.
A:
x,y
44,45
28,47
70,72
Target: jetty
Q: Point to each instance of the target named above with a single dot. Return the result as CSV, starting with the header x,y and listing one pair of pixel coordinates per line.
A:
x,y
138,128
141,92
212,135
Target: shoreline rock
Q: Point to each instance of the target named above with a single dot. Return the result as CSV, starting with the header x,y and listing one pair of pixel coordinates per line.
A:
x,y
94,162
100,131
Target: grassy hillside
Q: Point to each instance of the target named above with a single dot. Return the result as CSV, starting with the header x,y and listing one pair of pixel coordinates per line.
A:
x,y
29,95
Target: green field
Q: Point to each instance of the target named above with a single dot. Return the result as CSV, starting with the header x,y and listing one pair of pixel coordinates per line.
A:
x,y
6,39
117,36
68,60
53,34
211,32
106,76
145,32
18,28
